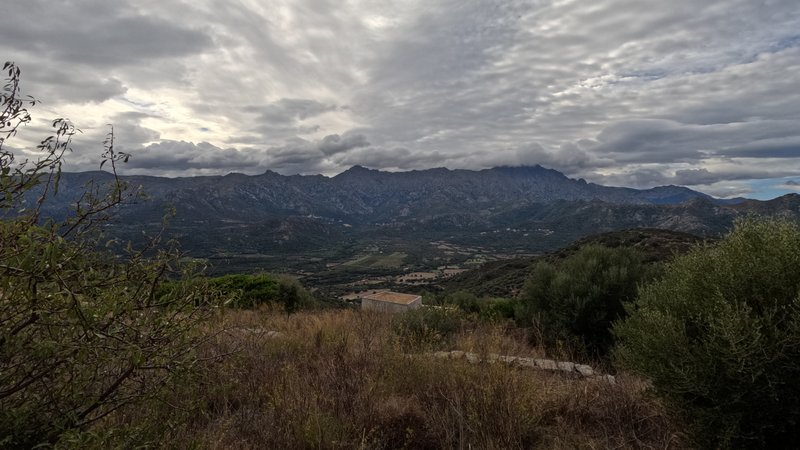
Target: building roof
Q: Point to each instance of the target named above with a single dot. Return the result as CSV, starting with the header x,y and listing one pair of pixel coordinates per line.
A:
x,y
393,297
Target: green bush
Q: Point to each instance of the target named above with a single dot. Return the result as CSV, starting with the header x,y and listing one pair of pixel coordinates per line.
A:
x,y
428,327
485,308
253,290
719,337
494,309
576,300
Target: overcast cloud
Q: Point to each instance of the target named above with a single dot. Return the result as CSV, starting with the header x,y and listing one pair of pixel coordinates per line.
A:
x,y
626,92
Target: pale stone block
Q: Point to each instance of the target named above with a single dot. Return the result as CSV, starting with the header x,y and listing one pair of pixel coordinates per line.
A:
x,y
584,370
566,366
546,364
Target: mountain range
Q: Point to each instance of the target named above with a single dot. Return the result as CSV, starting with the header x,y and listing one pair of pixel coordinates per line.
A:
x,y
508,209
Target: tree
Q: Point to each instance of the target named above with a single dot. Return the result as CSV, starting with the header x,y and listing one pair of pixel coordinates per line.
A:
x,y
83,329
253,290
575,300
719,337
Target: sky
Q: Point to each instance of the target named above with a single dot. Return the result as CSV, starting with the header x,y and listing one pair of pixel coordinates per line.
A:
x,y
639,93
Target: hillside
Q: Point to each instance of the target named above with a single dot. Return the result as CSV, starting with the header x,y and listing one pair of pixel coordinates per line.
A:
x,y
506,278
276,222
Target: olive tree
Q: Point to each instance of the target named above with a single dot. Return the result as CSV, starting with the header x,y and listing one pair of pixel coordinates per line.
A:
x,y
574,301
719,337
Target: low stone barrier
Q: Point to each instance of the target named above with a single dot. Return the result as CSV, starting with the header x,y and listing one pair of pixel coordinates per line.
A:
x,y
566,367
261,332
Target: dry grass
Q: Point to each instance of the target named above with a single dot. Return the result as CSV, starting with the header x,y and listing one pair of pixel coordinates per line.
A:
x,y
338,380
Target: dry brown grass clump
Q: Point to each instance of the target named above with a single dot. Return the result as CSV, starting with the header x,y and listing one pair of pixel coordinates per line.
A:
x,y
338,380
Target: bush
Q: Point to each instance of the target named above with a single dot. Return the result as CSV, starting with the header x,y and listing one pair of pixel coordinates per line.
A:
x,y
719,337
487,308
496,309
575,301
250,291
428,327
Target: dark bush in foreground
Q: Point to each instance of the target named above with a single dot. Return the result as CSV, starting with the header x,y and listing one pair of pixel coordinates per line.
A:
x,y
719,336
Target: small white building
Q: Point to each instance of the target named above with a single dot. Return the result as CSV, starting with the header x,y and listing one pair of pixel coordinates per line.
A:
x,y
391,302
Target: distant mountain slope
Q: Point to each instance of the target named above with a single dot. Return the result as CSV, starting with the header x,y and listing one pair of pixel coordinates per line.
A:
x,y
504,209
369,196
506,278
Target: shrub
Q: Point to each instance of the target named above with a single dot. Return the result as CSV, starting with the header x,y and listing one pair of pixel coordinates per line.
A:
x,y
253,290
83,332
428,326
486,308
250,290
719,337
575,301
494,309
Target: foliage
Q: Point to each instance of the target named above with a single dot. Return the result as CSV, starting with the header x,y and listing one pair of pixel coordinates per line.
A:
x,y
486,308
428,326
719,336
82,332
494,309
576,300
506,278
335,379
251,291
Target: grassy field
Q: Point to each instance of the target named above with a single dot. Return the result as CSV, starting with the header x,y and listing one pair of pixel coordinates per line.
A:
x,y
377,260
340,380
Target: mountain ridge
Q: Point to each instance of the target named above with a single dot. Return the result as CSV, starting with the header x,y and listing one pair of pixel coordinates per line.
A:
x,y
273,214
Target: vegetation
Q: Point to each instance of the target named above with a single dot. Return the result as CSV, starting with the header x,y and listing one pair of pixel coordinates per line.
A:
x,y
105,345
506,278
719,337
574,302
484,308
341,379
253,290
429,327
83,333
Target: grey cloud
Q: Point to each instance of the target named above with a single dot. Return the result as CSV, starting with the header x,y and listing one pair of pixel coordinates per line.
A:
x,y
614,91
285,117
695,176
303,156
398,158
332,144
129,132
790,185
168,156
53,83
649,177
288,110
767,148
96,33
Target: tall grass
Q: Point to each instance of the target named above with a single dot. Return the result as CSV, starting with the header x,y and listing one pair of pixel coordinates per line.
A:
x,y
340,380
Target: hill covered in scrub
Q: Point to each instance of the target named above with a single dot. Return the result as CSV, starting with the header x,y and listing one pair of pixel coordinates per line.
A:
x,y
506,278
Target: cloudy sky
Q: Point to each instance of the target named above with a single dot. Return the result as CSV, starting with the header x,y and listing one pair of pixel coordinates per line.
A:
x,y
702,93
